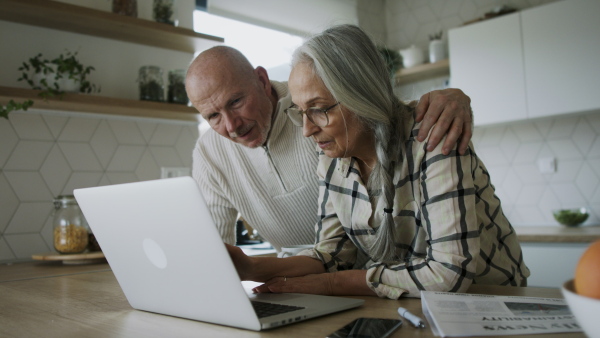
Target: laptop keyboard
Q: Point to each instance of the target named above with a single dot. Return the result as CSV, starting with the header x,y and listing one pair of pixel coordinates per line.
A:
x,y
263,309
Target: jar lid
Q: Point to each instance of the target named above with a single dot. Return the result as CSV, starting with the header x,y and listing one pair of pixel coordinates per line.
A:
x,y
150,68
63,200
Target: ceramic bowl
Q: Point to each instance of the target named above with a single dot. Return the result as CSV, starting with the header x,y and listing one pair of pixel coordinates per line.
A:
x,y
571,217
585,309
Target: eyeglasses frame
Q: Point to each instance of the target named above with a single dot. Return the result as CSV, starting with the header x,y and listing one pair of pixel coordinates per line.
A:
x,y
291,109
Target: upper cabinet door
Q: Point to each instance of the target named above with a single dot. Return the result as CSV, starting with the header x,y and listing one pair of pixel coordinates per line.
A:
x,y
562,57
486,62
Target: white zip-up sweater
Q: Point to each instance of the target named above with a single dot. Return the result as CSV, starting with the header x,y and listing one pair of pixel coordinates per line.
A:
x,y
274,187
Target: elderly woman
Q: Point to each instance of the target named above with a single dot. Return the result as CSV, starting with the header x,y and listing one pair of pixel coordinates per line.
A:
x,y
426,221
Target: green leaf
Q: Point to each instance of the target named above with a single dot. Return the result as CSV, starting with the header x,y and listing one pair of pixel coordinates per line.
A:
x,y
12,105
64,66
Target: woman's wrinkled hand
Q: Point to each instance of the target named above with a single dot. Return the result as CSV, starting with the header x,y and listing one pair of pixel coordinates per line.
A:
x,y
318,284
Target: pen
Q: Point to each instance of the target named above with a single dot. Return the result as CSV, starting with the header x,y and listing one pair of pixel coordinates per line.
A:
x,y
414,320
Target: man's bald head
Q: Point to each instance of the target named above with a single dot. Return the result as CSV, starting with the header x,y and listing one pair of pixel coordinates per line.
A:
x,y
220,59
236,99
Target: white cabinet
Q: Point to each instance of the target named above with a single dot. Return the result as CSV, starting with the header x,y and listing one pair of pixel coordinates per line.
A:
x,y
539,62
562,52
552,264
486,62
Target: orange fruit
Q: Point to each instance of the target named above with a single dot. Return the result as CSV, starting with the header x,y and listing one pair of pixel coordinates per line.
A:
x,y
587,272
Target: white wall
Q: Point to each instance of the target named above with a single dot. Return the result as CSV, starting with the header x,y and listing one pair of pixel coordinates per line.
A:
x,y
116,62
44,154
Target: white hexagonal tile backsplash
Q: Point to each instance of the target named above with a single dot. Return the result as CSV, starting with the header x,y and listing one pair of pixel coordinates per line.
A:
x,y
46,154
511,152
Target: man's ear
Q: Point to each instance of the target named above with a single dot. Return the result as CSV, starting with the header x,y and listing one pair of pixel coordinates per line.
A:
x,y
263,77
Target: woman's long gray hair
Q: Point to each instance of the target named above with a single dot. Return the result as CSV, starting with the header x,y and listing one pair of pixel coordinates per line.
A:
x,y
353,70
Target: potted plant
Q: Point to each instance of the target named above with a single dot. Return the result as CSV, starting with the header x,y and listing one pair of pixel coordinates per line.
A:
x,y
37,72
392,58
72,74
53,78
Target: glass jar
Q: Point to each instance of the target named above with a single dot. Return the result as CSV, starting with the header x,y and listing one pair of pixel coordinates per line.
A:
x,y
162,11
176,91
71,233
125,7
151,83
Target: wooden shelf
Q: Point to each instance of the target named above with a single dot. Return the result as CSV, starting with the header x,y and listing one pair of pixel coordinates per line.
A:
x,y
422,72
82,20
85,103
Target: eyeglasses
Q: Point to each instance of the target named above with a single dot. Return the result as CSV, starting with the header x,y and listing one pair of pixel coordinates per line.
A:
x,y
317,116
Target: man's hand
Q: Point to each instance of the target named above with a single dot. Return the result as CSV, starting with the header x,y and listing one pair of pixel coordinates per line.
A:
x,y
318,284
241,261
450,111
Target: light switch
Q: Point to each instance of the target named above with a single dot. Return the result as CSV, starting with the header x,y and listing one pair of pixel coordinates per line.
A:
x,y
547,165
168,172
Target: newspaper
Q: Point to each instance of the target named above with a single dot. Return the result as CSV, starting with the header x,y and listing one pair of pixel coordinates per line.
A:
x,y
460,314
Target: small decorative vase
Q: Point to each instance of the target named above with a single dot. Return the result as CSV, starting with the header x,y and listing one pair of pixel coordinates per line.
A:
x,y
69,85
412,56
437,51
49,78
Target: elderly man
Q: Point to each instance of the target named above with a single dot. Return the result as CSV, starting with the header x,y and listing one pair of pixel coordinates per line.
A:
x,y
255,161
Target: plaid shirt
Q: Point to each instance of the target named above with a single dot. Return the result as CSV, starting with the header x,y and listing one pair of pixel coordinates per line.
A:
x,y
450,229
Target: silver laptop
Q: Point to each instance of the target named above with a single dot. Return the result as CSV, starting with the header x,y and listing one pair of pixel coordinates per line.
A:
x,y
166,253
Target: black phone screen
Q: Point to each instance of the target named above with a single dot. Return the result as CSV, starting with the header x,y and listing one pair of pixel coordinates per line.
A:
x,y
368,328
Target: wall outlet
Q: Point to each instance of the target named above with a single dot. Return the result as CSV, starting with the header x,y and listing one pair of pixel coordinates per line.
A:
x,y
169,172
547,165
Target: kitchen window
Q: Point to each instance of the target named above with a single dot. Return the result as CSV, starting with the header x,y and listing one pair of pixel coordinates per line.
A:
x,y
264,47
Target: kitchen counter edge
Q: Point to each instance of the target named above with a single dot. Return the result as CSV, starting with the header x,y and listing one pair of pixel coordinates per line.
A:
x,y
558,234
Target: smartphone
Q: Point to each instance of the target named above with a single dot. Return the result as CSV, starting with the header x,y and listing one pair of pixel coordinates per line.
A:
x,y
368,328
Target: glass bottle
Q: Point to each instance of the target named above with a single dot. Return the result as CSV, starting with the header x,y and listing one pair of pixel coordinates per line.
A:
x,y
151,83
71,233
176,91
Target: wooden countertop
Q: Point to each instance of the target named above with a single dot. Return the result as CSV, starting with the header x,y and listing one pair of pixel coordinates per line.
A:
x,y
87,301
558,234
32,270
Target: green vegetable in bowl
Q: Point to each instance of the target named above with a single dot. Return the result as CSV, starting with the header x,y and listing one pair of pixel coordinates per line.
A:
x,y
571,217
